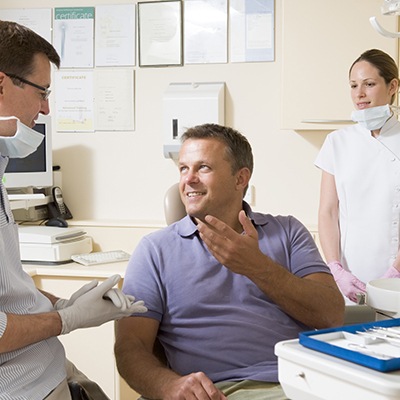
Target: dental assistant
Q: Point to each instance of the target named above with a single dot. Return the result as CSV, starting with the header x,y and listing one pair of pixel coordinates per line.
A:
x,y
359,209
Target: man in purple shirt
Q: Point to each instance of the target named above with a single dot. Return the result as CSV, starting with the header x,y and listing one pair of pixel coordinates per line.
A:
x,y
222,285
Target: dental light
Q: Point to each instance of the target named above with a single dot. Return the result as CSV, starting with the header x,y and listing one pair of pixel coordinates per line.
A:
x,y
391,8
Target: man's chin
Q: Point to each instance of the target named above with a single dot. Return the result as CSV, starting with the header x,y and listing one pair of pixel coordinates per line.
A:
x,y
196,214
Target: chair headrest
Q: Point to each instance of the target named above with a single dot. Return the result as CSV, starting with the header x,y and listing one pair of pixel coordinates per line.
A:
x,y
174,209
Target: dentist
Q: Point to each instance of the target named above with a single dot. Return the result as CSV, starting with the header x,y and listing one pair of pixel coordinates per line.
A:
x,y
32,359
359,212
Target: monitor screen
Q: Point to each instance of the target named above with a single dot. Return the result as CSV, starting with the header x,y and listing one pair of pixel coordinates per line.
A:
x,y
36,170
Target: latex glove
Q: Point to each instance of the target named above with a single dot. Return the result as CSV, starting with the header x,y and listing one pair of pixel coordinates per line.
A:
x,y
99,305
62,303
121,300
392,272
347,282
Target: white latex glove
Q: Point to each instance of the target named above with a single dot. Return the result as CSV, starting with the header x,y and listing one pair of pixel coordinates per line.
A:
x,y
347,282
120,299
392,272
62,303
99,305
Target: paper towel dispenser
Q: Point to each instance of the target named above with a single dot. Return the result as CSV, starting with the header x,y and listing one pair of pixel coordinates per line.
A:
x,y
189,104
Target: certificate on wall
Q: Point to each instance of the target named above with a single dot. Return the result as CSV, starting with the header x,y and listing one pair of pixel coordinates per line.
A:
x,y
206,31
37,19
115,35
73,36
74,101
252,30
160,33
114,101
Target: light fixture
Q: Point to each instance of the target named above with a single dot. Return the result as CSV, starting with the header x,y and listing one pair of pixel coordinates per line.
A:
x,y
391,8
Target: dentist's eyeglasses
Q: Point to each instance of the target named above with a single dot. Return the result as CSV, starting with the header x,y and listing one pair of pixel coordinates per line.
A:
x,y
45,92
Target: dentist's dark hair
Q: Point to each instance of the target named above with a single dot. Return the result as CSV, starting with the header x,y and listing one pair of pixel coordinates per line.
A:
x,y
18,47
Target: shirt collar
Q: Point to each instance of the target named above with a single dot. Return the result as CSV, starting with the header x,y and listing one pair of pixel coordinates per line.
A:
x,y
257,218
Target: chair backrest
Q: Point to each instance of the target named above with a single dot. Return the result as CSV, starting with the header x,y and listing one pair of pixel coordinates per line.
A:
x,y
174,209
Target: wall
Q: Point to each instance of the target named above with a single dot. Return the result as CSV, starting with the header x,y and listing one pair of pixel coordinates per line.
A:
x,y
122,177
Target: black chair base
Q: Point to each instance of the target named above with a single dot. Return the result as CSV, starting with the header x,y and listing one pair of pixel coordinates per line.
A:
x,y
77,391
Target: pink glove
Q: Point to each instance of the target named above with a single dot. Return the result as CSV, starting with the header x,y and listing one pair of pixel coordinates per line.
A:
x,y
347,282
392,272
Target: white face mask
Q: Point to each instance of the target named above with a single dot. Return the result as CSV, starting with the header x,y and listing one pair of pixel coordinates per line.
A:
x,y
24,142
372,118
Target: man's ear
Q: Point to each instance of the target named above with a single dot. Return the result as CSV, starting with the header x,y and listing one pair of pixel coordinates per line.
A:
x,y
243,178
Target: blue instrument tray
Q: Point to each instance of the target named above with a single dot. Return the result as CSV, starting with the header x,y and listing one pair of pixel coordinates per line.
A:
x,y
333,342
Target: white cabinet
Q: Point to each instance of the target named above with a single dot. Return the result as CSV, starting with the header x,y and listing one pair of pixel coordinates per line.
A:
x,y
321,39
92,349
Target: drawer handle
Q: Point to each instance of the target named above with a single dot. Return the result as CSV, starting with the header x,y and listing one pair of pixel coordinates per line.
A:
x,y
301,375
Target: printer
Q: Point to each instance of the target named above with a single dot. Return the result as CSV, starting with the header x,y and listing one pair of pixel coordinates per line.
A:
x,y
52,245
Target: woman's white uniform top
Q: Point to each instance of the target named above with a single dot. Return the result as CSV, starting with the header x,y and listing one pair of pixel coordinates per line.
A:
x,y
367,176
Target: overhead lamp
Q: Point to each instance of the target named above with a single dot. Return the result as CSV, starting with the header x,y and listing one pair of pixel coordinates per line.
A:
x,y
391,8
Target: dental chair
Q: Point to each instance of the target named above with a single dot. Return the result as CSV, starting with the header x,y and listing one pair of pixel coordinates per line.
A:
x,y
88,390
358,314
77,391
174,209
81,387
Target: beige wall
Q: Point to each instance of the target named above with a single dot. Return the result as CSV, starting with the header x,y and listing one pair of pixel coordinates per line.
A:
x,y
122,176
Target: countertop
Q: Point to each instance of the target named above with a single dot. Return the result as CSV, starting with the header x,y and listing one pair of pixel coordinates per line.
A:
x,y
76,270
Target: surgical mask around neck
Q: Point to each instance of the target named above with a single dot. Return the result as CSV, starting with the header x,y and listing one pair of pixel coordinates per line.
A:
x,y
372,118
24,142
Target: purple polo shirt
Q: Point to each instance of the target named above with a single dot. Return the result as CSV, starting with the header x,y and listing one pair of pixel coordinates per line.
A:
x,y
211,319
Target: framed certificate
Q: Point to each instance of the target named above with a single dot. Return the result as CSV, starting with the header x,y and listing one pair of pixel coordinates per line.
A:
x,y
160,33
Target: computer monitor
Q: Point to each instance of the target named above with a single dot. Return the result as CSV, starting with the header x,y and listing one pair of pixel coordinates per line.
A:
x,y
36,170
